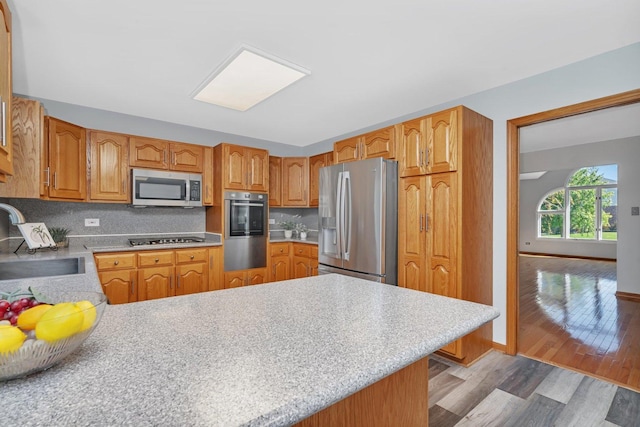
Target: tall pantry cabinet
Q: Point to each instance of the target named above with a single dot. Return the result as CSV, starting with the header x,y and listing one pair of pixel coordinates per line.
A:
x,y
445,214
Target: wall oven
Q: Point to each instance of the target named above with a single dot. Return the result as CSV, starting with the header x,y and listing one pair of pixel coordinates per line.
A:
x,y
245,230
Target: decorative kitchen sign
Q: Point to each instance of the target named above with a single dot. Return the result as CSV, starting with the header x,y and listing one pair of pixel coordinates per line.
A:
x,y
36,235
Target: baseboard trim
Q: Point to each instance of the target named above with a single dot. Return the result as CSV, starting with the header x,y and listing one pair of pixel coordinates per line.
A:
x,y
500,347
628,296
540,254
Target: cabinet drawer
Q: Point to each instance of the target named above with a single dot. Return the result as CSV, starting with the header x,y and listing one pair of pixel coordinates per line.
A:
x,y
115,261
191,255
279,249
150,259
301,250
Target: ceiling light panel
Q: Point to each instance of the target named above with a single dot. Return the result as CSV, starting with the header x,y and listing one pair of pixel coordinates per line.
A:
x,y
247,78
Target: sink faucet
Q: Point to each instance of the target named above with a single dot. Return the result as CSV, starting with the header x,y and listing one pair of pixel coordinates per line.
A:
x,y
15,216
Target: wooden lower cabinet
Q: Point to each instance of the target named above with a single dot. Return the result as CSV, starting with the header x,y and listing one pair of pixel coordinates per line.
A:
x,y
279,262
238,278
138,276
304,261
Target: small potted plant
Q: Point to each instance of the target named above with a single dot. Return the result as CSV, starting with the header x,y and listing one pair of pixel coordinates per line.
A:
x,y
288,227
302,231
59,235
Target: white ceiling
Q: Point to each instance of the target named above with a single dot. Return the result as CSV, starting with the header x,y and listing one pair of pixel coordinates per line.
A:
x,y
597,126
371,60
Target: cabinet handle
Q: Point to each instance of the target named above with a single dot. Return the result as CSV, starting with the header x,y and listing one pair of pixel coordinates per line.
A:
x,y
156,260
426,223
281,250
191,257
133,286
211,261
174,158
55,180
164,156
47,182
356,154
4,124
170,282
116,262
421,218
177,281
124,187
426,157
421,158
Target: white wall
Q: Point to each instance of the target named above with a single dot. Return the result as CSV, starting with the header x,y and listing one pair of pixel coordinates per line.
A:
x,y
607,74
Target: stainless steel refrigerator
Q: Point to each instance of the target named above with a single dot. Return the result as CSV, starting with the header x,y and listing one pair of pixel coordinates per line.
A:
x,y
358,220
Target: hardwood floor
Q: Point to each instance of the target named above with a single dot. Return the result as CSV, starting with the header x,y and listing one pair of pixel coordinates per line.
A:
x,y
570,317
501,390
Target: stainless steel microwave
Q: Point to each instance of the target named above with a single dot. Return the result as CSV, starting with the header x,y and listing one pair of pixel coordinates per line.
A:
x,y
165,188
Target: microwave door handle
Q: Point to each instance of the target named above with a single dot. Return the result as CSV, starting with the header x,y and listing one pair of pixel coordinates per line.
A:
x,y
346,214
188,195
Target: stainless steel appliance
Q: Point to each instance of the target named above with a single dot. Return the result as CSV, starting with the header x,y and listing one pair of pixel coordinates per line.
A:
x,y
168,240
245,230
165,188
358,222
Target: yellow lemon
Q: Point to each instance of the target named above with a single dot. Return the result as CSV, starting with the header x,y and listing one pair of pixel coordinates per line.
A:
x,y
11,338
89,314
27,319
61,321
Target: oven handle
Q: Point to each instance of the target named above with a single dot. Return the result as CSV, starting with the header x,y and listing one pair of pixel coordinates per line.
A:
x,y
234,203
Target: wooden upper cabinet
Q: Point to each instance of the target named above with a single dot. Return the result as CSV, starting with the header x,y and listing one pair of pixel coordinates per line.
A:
x,y
275,181
109,167
442,141
186,157
244,168
347,150
148,153
379,143
207,177
67,160
315,163
6,93
412,148
295,179
30,157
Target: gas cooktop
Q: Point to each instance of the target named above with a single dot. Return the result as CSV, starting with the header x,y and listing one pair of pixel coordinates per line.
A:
x,y
165,240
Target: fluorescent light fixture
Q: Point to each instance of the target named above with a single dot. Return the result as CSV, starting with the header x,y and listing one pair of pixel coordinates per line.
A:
x,y
248,77
531,175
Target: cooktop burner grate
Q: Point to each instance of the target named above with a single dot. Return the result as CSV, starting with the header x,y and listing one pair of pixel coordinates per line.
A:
x,y
165,240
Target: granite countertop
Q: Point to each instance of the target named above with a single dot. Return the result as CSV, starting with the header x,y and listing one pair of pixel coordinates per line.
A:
x,y
267,355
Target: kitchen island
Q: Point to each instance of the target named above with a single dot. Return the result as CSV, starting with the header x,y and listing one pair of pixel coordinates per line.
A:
x,y
269,355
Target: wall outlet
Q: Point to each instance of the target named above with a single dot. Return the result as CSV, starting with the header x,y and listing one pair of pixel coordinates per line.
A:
x,y
272,221
92,222
635,210
527,243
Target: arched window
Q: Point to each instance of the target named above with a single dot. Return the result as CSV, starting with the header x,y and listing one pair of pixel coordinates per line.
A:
x,y
591,211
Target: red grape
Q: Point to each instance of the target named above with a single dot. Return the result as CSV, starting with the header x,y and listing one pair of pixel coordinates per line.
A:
x,y
4,305
24,302
33,303
16,306
13,319
8,315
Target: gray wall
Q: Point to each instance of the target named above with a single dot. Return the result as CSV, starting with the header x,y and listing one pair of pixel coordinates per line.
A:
x,y
603,75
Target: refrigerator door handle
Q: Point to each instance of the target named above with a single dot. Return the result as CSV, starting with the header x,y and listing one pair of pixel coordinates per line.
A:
x,y
338,234
346,215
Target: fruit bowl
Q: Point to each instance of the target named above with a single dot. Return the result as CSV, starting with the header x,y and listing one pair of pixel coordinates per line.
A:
x,y
45,336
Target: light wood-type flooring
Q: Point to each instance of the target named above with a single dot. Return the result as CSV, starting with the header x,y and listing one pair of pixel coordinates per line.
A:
x,y
570,317
514,391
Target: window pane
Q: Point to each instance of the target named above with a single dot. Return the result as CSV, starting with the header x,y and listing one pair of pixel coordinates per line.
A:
x,y
595,175
582,219
551,225
609,214
553,202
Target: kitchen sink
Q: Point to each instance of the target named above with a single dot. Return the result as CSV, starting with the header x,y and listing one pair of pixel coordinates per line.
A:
x,y
41,268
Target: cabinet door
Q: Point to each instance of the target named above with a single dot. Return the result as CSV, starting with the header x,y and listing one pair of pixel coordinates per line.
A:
x,y
29,161
275,181
191,278
67,160
347,150
295,175
300,267
207,177
315,163
411,233
216,268
412,158
280,266
156,282
6,92
380,143
186,157
119,286
258,169
109,170
234,167
442,141
148,153
257,276
234,279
